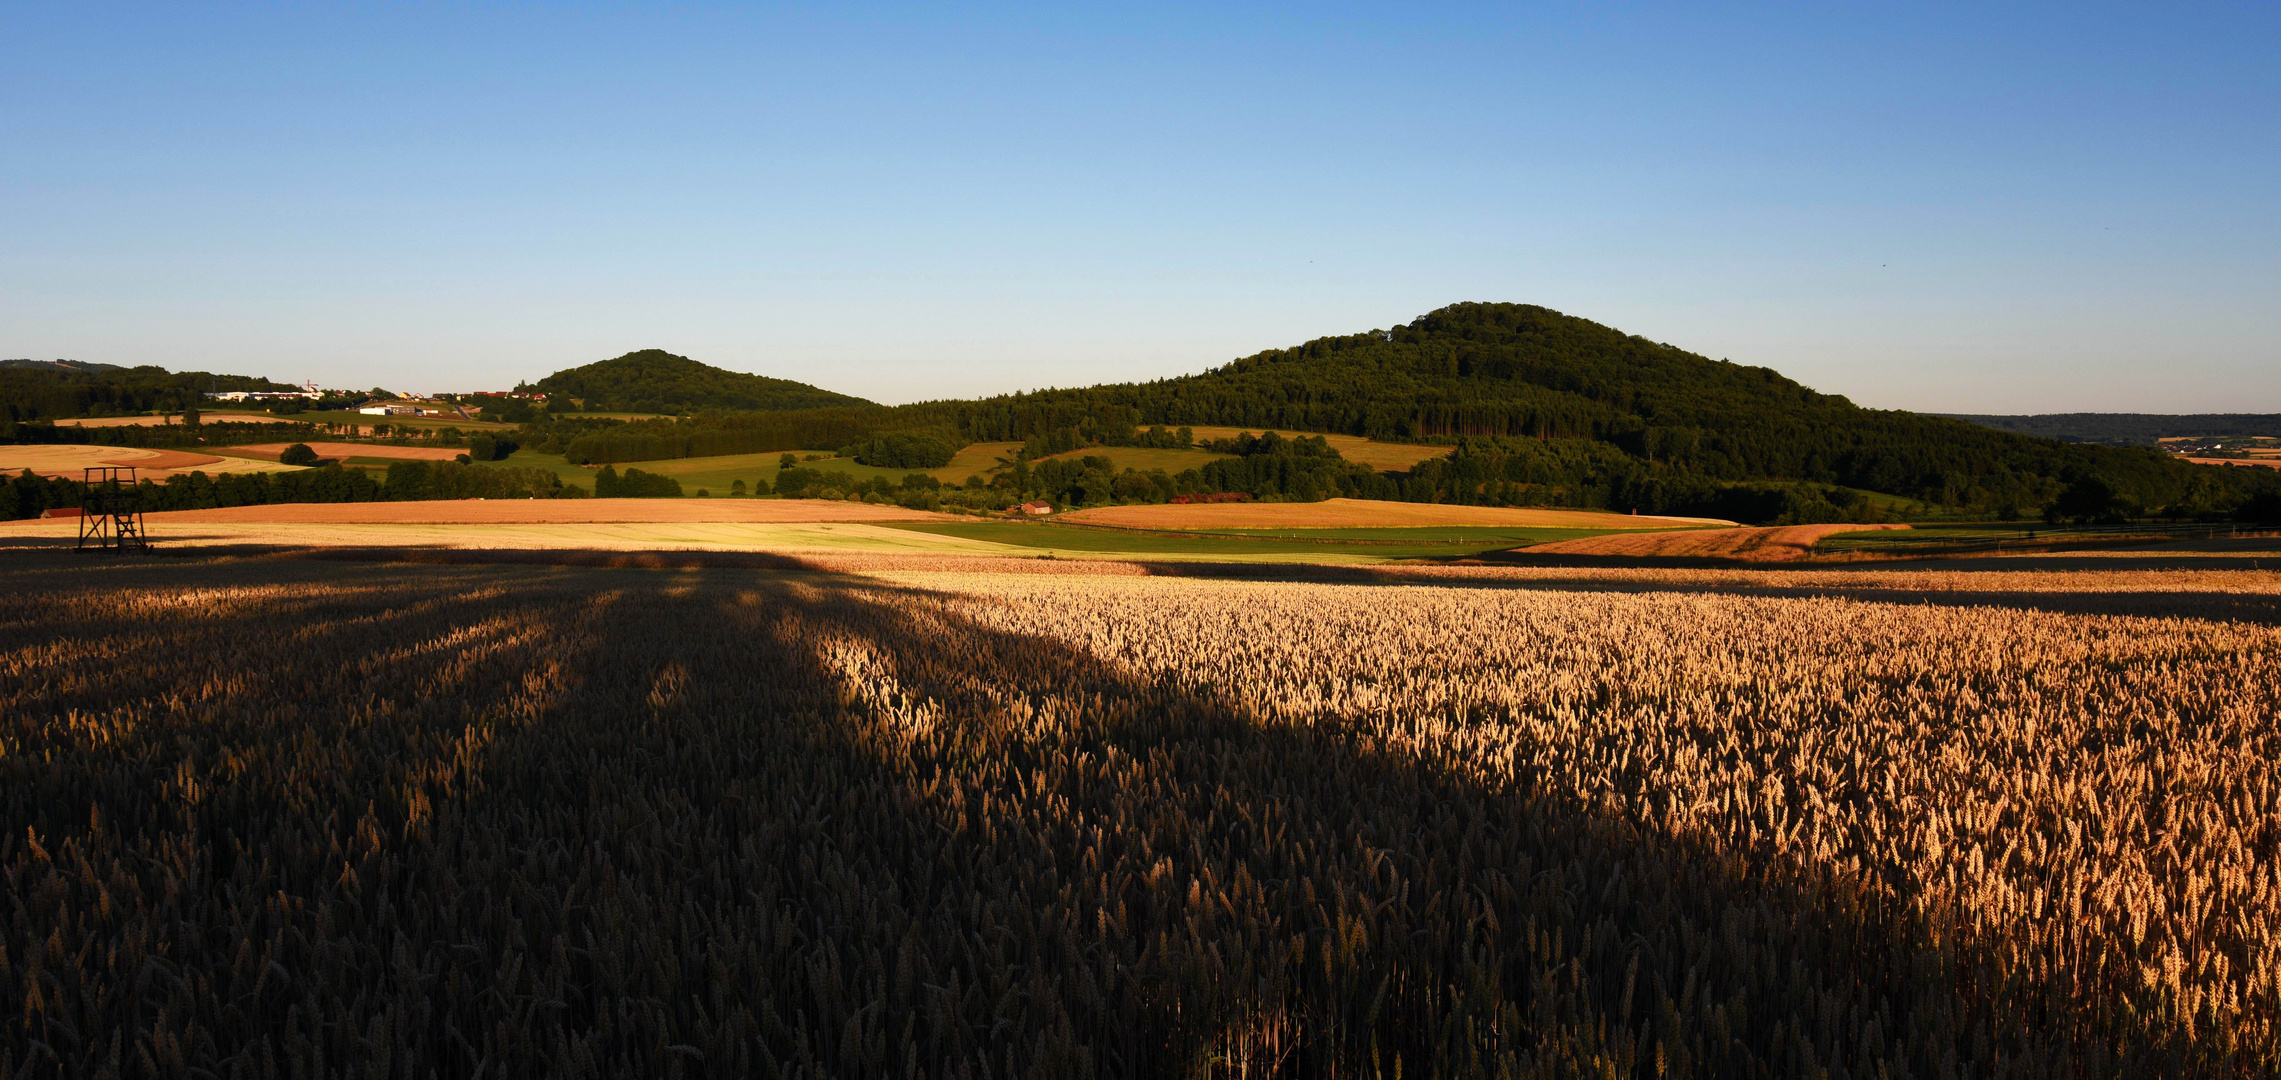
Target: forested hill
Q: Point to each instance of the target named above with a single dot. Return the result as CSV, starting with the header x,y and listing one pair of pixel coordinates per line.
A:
x,y
2133,429
1506,371
653,380
1542,408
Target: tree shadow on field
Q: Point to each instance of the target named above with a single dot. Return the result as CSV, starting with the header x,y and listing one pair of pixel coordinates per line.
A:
x,y
2212,605
1310,899
713,822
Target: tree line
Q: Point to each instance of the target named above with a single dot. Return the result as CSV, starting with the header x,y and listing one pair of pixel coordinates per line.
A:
x,y
28,494
34,394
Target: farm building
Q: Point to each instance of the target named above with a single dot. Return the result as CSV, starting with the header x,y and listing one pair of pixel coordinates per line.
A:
x,y
1036,508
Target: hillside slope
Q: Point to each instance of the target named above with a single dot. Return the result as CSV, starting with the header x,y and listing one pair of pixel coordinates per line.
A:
x,y
1538,398
653,380
1542,409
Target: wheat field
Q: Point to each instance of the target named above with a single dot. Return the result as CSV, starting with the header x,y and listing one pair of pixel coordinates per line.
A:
x,y
285,817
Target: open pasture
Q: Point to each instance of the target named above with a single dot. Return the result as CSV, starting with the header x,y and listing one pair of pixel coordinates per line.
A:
x,y
1382,456
1362,513
716,474
976,459
527,820
1143,458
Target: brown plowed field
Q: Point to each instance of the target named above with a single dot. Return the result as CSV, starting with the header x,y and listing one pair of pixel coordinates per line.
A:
x,y
548,512
269,451
1362,514
1779,543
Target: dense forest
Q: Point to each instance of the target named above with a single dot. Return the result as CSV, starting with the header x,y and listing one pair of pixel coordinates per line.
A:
x,y
2133,429
1543,408
656,381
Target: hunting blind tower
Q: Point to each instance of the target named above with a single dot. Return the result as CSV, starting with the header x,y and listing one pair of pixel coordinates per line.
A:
x,y
111,515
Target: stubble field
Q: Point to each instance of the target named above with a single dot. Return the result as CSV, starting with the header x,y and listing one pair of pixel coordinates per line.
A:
x,y
544,820
1353,513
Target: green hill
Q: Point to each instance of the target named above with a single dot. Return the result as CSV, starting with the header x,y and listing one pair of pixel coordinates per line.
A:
x,y
653,380
1541,408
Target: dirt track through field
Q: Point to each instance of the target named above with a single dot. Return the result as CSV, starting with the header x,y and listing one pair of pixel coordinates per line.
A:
x,y
1363,514
1780,543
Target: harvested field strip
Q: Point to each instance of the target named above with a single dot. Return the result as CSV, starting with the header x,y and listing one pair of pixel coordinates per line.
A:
x,y
1471,538
1078,540
543,512
1360,513
598,536
591,822
2260,461
269,451
70,460
1782,543
174,418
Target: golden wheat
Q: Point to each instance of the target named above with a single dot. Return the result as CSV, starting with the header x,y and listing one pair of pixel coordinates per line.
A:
x,y
288,817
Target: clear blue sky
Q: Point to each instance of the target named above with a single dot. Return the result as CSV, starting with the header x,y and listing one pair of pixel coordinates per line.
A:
x,y
1963,207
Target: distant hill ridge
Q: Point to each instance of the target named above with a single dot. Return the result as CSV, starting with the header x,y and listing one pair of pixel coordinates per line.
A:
x,y
2131,429
1543,408
653,380
59,365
